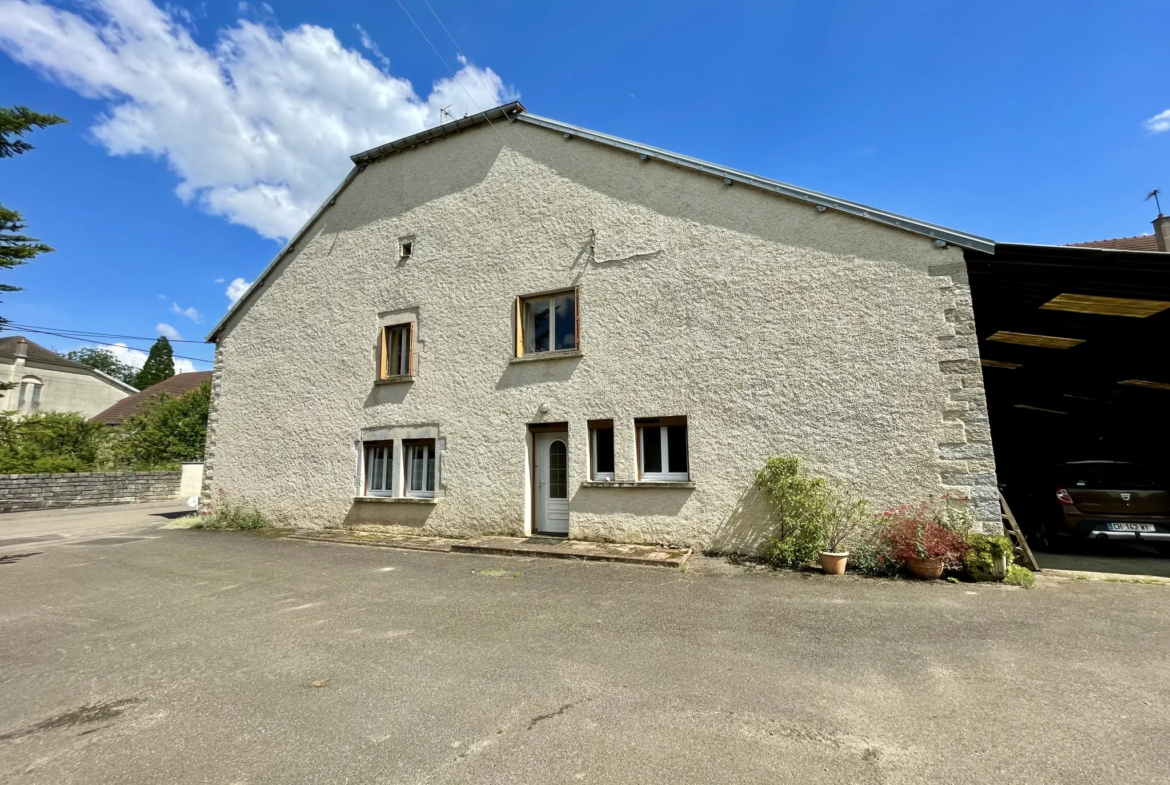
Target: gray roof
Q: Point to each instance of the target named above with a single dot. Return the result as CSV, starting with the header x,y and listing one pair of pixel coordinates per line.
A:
x,y
38,353
515,112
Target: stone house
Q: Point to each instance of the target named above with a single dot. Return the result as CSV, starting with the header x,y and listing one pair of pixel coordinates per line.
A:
x,y
508,324
45,381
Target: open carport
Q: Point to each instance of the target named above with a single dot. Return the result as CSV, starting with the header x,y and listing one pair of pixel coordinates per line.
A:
x,y
1073,342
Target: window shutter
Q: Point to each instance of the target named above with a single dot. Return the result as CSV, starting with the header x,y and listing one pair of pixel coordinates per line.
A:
x,y
410,362
519,329
383,363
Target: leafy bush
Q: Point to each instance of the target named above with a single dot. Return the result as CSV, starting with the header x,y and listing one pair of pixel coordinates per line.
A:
x,y
983,551
796,501
49,442
166,431
1020,576
918,531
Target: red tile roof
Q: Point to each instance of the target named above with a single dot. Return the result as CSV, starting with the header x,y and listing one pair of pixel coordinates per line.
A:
x,y
178,385
1141,242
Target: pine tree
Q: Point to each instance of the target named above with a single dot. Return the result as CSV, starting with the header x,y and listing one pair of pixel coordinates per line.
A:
x,y
159,365
17,248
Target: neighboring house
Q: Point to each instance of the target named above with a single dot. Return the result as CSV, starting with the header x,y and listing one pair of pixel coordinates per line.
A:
x,y
178,385
1158,241
527,327
47,382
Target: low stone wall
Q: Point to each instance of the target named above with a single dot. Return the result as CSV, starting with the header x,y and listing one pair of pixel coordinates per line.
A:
x,y
41,491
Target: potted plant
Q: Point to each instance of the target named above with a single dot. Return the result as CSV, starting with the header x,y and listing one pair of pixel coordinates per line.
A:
x,y
842,519
916,538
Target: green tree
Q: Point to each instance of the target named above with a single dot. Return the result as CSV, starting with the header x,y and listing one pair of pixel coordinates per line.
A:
x,y
166,431
159,365
49,442
17,248
101,360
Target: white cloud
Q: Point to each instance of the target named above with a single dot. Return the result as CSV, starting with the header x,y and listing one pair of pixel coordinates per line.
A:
x,y
1159,122
236,289
372,46
132,357
135,358
258,126
163,297
218,280
190,313
162,328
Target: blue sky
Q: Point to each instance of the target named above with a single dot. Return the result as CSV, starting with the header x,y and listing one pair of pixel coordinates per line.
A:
x,y
201,132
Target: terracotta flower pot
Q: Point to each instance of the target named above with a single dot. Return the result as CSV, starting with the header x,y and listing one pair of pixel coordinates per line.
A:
x,y
926,569
834,563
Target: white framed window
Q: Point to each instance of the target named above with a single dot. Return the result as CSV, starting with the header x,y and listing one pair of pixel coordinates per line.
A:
x,y
547,323
396,351
601,451
662,449
420,468
379,468
30,391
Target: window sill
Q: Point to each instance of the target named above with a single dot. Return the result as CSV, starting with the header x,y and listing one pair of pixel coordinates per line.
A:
x,y
561,355
643,484
395,380
395,499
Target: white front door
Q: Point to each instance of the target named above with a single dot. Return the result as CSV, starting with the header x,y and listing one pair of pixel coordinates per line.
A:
x,y
552,483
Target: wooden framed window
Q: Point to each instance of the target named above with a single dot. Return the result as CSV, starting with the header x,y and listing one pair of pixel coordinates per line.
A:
x,y
548,322
379,468
420,468
662,449
396,351
601,450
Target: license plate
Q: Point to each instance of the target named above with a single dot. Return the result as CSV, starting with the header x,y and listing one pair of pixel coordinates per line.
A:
x,y
1131,527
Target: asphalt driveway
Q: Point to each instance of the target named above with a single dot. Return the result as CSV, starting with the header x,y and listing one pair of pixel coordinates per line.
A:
x,y
200,657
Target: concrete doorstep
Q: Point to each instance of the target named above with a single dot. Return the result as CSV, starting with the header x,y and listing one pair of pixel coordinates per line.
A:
x,y
550,547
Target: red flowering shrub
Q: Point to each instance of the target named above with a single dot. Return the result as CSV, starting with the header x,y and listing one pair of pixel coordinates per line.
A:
x,y
914,531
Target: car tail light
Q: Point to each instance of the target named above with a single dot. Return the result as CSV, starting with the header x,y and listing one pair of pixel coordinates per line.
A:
x,y
1064,497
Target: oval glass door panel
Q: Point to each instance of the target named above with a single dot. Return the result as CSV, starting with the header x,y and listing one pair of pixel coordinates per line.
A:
x,y
558,470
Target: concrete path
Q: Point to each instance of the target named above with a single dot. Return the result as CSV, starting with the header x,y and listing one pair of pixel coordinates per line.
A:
x,y
548,547
54,527
216,657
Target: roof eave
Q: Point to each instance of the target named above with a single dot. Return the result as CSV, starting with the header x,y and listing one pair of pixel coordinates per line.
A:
x,y
438,132
952,236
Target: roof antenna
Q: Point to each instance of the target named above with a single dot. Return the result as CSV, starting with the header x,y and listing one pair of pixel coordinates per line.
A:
x,y
1154,194
444,112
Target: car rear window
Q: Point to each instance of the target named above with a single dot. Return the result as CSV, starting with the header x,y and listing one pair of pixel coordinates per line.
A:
x,y
1112,475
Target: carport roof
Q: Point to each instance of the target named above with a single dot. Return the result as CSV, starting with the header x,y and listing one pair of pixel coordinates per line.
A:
x,y
1116,334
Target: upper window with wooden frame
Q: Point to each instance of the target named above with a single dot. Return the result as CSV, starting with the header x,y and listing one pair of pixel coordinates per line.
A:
x,y
662,449
396,352
547,322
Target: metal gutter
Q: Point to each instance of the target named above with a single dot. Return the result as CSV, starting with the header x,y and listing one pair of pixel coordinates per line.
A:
x,y
734,175
360,160
516,112
438,132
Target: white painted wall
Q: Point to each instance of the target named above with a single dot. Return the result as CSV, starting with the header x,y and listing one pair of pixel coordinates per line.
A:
x,y
65,389
774,328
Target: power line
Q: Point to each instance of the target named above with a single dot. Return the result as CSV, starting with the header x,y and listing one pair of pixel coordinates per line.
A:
x,y
104,343
459,49
453,76
14,325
